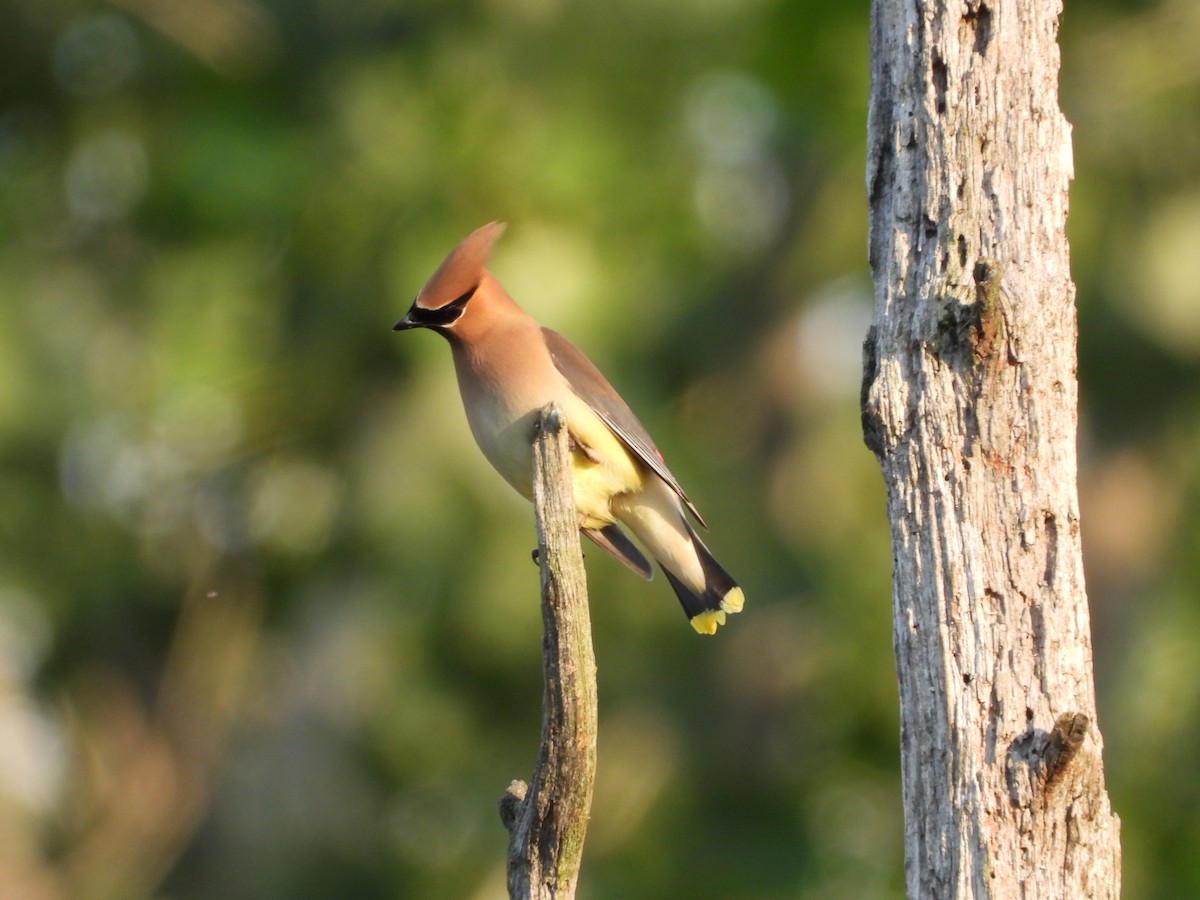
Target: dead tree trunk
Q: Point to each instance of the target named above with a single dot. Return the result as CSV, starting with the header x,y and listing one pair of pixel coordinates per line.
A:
x,y
548,819
969,402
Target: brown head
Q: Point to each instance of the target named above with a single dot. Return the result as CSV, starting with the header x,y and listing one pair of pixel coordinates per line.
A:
x,y
444,299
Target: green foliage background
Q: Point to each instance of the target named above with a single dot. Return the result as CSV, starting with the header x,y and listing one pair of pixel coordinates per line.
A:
x,y
268,625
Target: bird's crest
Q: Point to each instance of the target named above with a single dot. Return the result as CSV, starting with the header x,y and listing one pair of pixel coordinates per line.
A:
x,y
461,271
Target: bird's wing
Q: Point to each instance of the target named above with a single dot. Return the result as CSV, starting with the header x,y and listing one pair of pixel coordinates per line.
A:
x,y
592,387
614,542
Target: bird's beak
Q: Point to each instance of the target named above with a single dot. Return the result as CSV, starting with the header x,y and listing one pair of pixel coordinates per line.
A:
x,y
406,323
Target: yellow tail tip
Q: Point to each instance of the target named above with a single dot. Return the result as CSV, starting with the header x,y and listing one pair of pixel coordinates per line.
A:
x,y
733,601
707,622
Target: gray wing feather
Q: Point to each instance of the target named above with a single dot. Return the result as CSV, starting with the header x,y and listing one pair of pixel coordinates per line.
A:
x,y
613,540
592,387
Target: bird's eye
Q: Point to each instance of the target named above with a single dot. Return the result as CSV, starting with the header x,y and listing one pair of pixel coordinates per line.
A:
x,y
443,315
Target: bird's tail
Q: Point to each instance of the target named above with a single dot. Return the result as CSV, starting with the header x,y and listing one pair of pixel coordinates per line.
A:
x,y
707,609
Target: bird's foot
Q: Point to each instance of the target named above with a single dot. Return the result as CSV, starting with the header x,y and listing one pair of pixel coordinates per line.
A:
x,y
587,451
536,556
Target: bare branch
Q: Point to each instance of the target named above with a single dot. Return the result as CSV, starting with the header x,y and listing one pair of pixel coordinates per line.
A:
x,y
548,820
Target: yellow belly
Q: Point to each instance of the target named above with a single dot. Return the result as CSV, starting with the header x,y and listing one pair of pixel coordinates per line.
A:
x,y
601,466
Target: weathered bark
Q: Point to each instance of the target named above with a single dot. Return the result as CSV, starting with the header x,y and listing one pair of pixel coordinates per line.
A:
x,y
969,402
547,821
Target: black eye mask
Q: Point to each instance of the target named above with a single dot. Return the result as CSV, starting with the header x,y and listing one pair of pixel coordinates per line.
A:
x,y
443,315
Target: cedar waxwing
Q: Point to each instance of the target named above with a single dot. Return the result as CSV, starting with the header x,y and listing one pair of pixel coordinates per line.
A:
x,y
509,368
